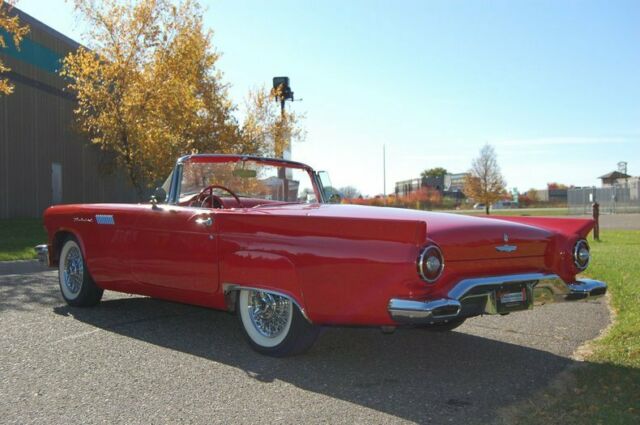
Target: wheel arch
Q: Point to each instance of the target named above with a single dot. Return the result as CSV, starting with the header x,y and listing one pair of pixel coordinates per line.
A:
x,y
58,239
268,271
231,291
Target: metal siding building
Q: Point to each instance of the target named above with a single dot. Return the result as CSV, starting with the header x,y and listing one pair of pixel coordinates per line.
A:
x,y
446,183
43,161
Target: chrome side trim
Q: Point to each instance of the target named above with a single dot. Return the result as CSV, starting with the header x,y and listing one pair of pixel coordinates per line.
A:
x,y
227,288
176,179
320,188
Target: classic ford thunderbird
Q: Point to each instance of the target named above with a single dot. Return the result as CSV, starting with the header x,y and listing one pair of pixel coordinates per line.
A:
x,y
258,237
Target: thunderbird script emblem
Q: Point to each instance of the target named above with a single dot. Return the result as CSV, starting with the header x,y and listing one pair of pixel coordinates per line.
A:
x,y
506,247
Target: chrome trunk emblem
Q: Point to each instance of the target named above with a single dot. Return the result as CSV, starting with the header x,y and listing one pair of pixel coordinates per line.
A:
x,y
505,247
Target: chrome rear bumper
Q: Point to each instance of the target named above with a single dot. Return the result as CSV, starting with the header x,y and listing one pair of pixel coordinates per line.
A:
x,y
540,288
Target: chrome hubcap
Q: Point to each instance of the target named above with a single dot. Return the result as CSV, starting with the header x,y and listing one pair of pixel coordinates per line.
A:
x,y
73,270
269,313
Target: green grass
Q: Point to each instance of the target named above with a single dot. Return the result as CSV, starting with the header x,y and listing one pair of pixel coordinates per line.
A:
x,y
617,261
19,236
606,390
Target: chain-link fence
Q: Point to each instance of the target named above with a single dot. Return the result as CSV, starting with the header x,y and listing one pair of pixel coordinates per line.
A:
x,y
612,200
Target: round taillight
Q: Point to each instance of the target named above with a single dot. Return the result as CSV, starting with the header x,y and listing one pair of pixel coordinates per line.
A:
x,y
581,254
430,263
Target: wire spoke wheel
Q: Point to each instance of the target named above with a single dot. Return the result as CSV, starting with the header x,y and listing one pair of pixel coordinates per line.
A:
x,y
77,287
73,270
273,323
269,313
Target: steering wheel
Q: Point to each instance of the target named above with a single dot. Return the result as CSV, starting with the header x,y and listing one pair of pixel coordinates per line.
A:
x,y
209,200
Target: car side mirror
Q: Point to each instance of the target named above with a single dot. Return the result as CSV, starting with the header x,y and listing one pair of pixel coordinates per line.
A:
x,y
159,196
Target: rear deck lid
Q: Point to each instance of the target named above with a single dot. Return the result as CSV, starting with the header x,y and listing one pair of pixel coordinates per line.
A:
x,y
485,238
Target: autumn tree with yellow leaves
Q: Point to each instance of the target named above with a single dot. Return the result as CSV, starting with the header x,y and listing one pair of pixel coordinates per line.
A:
x,y
17,31
485,183
148,88
267,129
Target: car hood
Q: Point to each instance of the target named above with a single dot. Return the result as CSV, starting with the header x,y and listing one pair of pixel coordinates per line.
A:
x,y
461,237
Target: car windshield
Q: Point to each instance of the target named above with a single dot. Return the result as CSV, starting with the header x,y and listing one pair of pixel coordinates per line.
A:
x,y
248,179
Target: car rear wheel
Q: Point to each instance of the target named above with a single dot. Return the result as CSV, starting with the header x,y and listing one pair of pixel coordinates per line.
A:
x,y
273,324
76,285
444,326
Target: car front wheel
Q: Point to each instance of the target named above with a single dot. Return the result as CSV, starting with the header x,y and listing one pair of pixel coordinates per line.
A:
x,y
273,324
76,285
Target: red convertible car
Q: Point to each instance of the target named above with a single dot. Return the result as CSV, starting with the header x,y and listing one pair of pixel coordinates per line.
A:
x,y
258,237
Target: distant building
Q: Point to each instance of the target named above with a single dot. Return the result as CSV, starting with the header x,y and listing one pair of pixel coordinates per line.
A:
x,y
456,181
614,178
43,160
633,184
438,183
542,195
622,181
557,195
553,194
405,187
447,185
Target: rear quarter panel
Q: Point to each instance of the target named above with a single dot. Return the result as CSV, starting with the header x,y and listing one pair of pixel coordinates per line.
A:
x,y
341,270
567,232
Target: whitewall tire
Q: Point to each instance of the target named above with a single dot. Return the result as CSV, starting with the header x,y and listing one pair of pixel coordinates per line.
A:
x,y
76,285
273,324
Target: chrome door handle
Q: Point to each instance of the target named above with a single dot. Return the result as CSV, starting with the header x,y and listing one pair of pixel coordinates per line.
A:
x,y
205,221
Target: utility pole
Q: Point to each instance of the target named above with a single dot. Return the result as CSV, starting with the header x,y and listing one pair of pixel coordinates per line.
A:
x,y
384,174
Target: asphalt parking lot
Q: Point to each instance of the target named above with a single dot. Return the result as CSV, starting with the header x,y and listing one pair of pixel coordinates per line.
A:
x,y
140,360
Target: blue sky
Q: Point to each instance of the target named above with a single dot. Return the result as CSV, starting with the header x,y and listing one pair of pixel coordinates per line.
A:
x,y
553,85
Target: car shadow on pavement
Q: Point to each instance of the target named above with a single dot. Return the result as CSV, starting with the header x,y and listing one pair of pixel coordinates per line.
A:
x,y
24,292
411,374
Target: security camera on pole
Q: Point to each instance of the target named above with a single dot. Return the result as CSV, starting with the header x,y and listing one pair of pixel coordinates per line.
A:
x,y
282,92
282,145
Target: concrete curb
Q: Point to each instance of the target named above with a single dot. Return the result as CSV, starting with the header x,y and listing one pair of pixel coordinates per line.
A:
x,y
21,267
